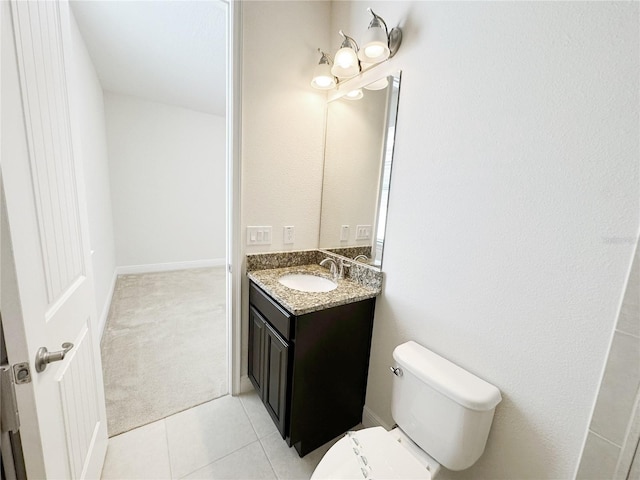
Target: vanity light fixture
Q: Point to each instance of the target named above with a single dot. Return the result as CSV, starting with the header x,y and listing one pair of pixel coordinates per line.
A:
x,y
323,79
350,60
345,62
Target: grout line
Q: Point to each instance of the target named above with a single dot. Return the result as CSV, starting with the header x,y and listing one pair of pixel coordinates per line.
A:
x,y
246,412
622,332
222,458
166,438
230,453
251,421
275,474
605,439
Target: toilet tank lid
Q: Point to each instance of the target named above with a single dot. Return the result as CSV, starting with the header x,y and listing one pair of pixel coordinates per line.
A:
x,y
446,377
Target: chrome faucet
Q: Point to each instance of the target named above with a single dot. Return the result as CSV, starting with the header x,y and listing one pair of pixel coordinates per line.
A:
x,y
336,269
364,258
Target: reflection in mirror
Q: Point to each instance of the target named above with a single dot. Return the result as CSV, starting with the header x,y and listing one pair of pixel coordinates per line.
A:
x,y
359,144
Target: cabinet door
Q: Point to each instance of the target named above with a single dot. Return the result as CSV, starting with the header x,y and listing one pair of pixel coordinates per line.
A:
x,y
257,327
275,380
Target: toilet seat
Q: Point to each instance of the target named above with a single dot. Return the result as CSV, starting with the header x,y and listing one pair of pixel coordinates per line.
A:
x,y
372,453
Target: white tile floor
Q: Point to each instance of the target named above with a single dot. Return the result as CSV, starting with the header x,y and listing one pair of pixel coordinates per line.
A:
x,y
230,437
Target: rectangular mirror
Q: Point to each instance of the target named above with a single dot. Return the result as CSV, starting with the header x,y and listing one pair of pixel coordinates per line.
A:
x,y
360,136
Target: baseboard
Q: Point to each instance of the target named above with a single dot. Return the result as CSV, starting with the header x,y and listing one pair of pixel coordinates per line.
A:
x,y
153,267
370,419
245,384
166,267
107,305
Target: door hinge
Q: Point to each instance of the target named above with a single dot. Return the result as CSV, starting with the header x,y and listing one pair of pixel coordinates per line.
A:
x,y
9,417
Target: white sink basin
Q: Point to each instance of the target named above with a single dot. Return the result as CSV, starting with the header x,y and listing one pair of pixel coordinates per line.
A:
x,y
307,283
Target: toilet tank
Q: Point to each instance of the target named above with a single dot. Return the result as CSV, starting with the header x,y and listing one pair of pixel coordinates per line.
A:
x,y
444,409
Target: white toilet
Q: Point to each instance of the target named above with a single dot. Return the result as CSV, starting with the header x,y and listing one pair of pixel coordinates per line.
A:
x,y
443,414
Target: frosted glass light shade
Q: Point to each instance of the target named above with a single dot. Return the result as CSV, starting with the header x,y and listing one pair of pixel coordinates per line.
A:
x,y
375,48
354,94
378,84
345,63
323,79
346,57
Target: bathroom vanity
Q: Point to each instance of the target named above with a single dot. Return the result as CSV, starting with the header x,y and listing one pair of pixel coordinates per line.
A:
x,y
309,355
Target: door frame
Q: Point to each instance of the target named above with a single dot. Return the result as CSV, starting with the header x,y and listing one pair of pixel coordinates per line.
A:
x,y
234,191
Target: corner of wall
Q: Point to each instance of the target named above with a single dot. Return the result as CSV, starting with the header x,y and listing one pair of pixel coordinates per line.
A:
x,y
104,315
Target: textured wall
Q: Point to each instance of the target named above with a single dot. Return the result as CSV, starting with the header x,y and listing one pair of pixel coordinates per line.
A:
x,y
282,124
89,108
282,120
513,210
167,168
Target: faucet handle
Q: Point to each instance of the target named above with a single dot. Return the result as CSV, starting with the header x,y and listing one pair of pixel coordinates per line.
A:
x,y
333,266
332,263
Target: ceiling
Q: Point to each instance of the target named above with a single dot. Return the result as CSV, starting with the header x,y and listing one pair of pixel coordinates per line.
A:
x,y
167,51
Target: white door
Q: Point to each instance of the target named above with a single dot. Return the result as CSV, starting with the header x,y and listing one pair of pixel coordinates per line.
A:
x,y
62,410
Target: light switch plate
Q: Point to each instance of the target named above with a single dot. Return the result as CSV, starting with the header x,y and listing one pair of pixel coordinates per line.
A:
x,y
258,235
363,232
289,235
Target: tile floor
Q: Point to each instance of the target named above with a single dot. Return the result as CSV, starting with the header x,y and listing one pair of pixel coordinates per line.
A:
x,y
226,438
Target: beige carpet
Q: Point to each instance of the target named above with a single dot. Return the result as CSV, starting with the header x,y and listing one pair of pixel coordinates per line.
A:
x,y
164,345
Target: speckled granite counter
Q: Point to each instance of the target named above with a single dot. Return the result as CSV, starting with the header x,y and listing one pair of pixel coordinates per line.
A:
x,y
357,287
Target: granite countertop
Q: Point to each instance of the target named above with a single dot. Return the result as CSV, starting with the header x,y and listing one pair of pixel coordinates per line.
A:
x,y
299,303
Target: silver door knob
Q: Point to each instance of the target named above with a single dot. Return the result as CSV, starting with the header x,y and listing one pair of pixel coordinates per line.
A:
x,y
44,357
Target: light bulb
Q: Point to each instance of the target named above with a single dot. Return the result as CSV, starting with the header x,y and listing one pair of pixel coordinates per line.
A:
x,y
354,94
345,64
323,82
374,51
345,57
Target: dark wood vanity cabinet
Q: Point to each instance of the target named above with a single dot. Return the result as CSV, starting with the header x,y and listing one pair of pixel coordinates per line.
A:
x,y
268,357
310,370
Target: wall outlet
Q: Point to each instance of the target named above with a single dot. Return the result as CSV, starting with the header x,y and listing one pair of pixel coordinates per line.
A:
x,y
363,232
258,235
344,233
289,235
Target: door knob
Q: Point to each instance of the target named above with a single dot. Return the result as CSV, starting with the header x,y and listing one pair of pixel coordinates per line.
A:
x,y
44,357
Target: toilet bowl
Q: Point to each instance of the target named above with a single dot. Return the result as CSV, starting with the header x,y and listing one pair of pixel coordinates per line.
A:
x,y
443,415
376,454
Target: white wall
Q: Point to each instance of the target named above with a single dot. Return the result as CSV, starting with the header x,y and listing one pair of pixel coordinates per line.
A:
x,y
86,93
167,169
513,208
282,119
282,124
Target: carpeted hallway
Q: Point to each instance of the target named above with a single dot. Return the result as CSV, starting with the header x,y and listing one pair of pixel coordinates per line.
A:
x,y
164,345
